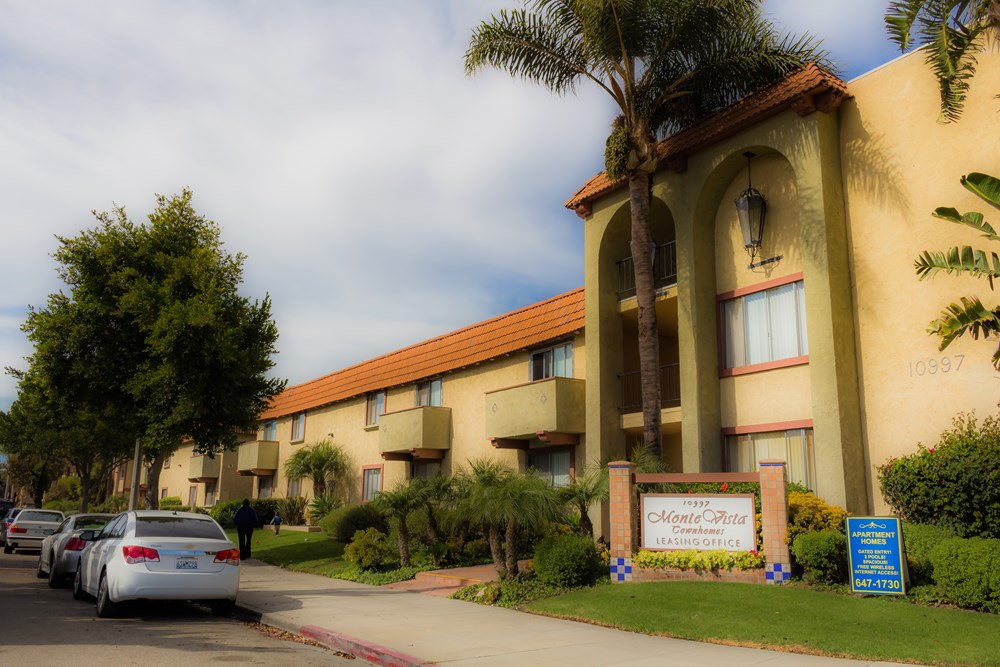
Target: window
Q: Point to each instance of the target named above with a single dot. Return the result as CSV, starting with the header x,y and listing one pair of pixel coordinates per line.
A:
x,y
794,446
166,462
264,486
375,408
209,494
163,493
178,526
192,497
429,392
764,326
298,427
372,483
555,361
294,488
552,465
271,430
425,469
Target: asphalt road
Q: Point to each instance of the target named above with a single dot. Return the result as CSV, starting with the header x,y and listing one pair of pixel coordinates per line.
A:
x,y
41,626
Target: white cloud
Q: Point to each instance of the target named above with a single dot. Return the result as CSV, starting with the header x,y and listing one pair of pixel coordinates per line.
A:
x,y
381,195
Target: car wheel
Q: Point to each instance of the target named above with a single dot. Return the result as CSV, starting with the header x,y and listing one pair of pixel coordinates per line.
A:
x,y
8,548
40,571
223,608
55,579
105,607
78,592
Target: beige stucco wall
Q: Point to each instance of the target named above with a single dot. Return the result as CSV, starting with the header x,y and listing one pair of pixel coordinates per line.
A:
x,y
899,165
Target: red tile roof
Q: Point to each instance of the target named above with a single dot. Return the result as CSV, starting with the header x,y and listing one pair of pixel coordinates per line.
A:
x,y
536,324
804,90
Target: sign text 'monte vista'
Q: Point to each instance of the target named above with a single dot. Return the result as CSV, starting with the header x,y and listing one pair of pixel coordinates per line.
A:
x,y
688,521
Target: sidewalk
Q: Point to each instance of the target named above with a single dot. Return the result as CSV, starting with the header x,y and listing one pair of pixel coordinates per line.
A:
x,y
399,628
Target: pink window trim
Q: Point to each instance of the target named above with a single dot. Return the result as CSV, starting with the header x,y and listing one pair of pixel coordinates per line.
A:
x,y
765,428
760,287
381,478
291,427
766,366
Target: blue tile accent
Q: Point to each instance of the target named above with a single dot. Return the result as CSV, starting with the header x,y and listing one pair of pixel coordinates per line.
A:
x,y
776,573
621,569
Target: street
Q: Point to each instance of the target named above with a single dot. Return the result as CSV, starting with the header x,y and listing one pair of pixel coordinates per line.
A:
x,y
42,626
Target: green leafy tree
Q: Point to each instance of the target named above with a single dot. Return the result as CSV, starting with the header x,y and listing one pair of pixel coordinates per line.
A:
x,y
398,504
951,33
666,64
323,462
153,335
969,315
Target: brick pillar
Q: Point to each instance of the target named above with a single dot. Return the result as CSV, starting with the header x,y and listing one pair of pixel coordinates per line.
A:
x,y
622,520
774,511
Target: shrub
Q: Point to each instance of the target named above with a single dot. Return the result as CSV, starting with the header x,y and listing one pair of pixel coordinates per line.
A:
x,y
967,572
694,559
65,488
920,540
568,561
171,503
223,512
112,504
322,505
822,556
369,550
513,591
342,523
67,507
292,510
954,484
808,513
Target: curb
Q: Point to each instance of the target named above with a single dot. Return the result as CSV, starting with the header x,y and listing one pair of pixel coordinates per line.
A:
x,y
374,653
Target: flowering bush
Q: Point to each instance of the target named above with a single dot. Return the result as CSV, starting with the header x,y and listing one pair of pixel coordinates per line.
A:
x,y
808,513
692,559
954,484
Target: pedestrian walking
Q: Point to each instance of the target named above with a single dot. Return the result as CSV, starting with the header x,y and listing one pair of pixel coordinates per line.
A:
x,y
245,520
276,523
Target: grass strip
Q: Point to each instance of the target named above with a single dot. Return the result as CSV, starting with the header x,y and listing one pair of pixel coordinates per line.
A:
x,y
314,553
790,618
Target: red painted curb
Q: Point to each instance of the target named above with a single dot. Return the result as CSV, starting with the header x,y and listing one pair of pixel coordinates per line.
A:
x,y
370,652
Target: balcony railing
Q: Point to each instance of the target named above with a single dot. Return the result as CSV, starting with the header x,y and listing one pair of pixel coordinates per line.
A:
x,y
664,270
670,389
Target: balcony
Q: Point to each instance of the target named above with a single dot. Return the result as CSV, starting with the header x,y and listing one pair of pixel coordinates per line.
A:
x,y
417,433
664,270
552,410
203,469
259,457
631,389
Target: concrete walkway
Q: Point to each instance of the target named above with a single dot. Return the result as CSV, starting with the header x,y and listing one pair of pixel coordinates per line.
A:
x,y
399,628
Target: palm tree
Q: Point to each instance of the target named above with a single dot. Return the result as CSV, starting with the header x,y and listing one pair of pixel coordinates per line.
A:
x,y
666,64
951,33
437,493
969,316
398,504
585,490
478,493
323,462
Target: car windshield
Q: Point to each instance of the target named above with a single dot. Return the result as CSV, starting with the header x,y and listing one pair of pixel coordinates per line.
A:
x,y
39,515
177,526
90,522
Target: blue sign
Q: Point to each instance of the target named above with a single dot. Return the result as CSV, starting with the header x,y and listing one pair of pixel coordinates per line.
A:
x,y
877,558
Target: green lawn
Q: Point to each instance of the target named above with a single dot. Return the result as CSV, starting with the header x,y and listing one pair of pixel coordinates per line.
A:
x,y
794,618
304,552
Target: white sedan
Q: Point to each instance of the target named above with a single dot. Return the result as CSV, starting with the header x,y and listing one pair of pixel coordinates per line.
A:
x,y
61,550
30,527
159,555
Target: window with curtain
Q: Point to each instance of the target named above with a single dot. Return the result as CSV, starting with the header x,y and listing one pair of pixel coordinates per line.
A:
x,y
209,494
429,392
552,465
556,361
298,427
425,469
294,488
271,430
375,408
795,447
764,326
371,484
264,486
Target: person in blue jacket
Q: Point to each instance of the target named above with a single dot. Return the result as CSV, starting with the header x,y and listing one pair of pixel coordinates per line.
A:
x,y
245,520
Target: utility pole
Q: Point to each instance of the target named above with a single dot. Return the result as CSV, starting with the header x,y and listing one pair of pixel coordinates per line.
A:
x,y
133,498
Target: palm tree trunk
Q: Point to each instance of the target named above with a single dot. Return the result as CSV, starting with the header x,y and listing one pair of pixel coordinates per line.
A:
x,y
645,296
404,544
586,525
496,552
510,545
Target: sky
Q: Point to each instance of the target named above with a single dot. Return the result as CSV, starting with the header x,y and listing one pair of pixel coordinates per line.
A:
x,y
381,196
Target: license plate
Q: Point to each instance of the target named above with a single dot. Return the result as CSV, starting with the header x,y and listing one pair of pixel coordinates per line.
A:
x,y
48,531
187,563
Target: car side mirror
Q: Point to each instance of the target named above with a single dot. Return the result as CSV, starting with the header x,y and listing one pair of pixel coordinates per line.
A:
x,y
88,535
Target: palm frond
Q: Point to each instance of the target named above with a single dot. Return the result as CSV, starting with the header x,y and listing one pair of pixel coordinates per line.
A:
x,y
984,186
958,260
969,316
899,20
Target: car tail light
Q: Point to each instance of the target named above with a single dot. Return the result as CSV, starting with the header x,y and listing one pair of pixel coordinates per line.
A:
x,y
75,544
135,554
17,529
230,556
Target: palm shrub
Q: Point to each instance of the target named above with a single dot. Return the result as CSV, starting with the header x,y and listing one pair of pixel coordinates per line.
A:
x,y
398,504
321,506
292,510
568,561
323,462
955,484
584,491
